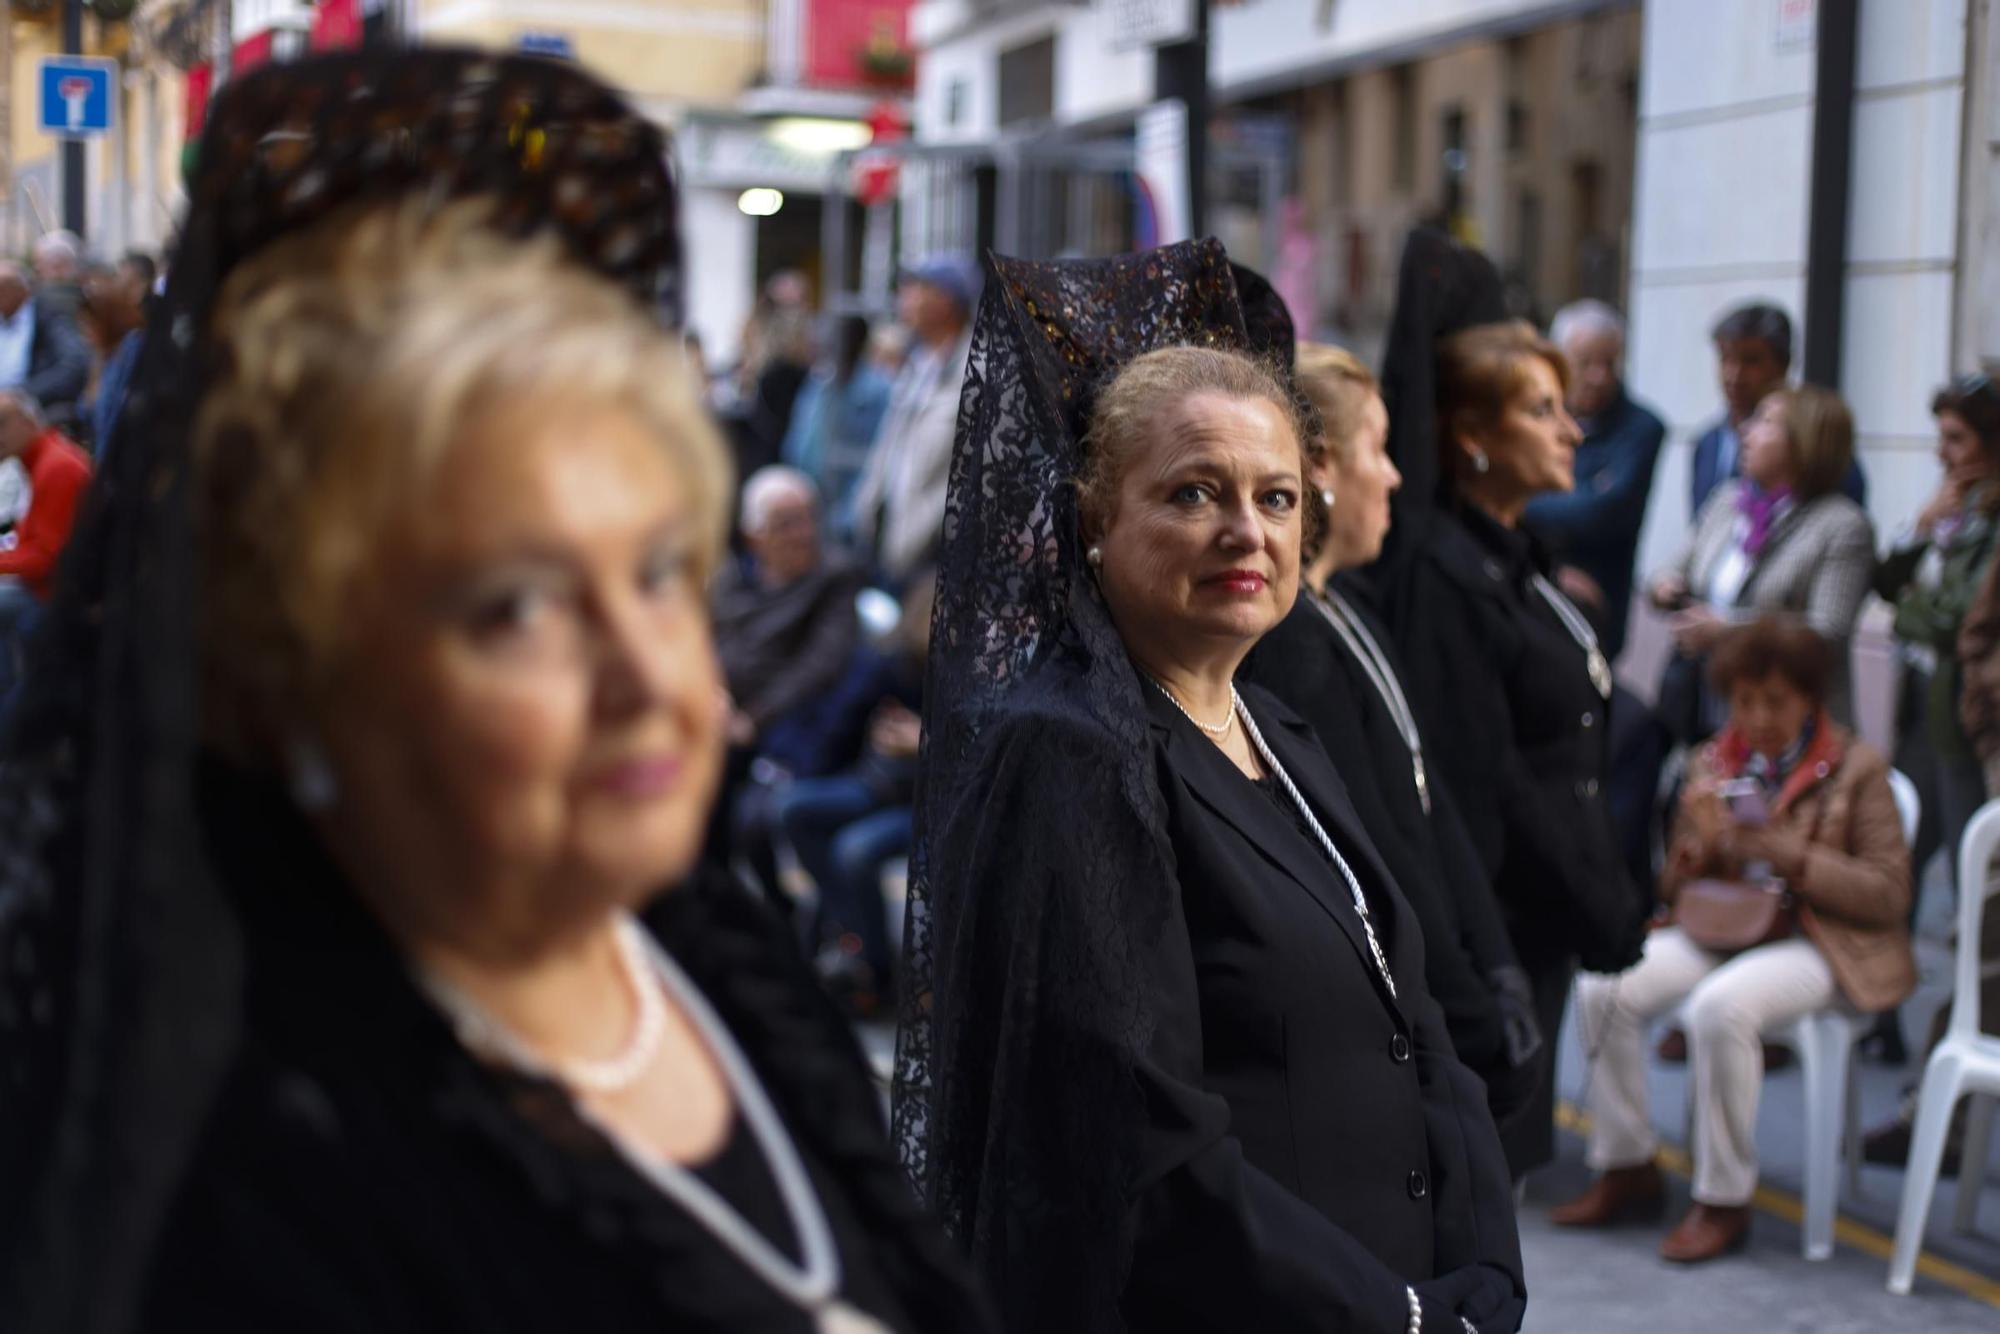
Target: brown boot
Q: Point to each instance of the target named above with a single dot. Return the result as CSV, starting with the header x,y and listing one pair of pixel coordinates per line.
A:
x,y
1620,1194
1709,1230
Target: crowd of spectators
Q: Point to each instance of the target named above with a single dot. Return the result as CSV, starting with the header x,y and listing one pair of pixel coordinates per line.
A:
x,y
70,335
842,430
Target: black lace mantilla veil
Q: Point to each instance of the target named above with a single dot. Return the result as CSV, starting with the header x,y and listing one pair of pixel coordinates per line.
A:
x,y
1004,1118
120,961
1442,287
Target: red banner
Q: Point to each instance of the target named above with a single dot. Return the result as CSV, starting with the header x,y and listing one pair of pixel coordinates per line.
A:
x,y
336,25
249,53
200,86
858,43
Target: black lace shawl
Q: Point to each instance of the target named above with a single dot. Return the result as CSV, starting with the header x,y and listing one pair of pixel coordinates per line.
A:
x,y
121,965
1021,1019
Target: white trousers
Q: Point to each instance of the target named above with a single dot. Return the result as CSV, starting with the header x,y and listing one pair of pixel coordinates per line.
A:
x,y
1732,1003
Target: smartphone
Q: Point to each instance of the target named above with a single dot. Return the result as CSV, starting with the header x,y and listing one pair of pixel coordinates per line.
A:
x,y
1746,800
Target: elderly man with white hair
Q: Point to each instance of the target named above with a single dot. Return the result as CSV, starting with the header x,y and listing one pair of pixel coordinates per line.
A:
x,y
1594,528
58,259
784,611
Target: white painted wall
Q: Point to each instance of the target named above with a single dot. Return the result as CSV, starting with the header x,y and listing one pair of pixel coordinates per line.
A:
x,y
1903,249
723,281
1091,80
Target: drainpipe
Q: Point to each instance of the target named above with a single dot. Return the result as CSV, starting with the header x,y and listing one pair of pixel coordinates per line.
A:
x,y
1832,163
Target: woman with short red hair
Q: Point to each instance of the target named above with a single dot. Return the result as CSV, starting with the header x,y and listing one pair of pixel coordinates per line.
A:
x,y
1501,666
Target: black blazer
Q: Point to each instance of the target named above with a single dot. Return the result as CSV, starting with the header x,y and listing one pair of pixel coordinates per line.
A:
x,y
1492,668
1306,664
1313,1144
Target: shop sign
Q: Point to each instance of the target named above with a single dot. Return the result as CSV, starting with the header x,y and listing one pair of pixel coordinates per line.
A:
x,y
734,155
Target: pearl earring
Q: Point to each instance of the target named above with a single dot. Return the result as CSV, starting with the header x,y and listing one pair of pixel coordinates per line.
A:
x,y
311,778
1095,556
1326,497
1480,462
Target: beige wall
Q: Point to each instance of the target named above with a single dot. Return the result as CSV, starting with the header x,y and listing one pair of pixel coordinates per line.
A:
x,y
1574,81
665,53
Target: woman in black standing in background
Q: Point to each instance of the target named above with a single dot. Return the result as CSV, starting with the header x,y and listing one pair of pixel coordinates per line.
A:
x,y
1333,662
1496,658
1168,1061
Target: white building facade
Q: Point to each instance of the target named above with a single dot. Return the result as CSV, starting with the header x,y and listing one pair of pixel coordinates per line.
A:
x,y
1720,191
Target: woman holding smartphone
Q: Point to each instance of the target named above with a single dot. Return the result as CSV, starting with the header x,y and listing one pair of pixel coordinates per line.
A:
x,y
1785,800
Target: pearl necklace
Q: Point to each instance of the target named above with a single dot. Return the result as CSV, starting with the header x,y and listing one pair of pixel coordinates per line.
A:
x,y
811,1284
613,1074
1218,732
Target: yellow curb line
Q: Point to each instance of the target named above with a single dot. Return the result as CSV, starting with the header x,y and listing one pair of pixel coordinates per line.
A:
x,y
1790,1208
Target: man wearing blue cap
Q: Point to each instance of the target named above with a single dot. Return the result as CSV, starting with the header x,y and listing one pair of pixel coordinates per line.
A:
x,y
899,503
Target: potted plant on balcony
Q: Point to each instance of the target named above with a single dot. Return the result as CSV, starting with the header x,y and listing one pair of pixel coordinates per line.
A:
x,y
885,61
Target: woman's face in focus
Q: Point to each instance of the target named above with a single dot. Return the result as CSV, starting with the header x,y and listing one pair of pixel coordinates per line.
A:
x,y
1362,485
1767,444
1532,448
1963,457
527,732
1769,713
1201,552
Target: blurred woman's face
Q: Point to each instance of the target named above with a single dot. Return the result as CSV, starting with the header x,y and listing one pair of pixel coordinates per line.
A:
x,y
1532,448
526,729
1964,457
1767,444
1362,484
1201,551
1769,713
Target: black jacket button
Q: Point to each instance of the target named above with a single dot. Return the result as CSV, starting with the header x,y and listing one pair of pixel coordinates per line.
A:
x,y
1419,1187
1399,1049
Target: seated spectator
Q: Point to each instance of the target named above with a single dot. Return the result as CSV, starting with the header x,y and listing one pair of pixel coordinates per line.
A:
x,y
899,502
1781,539
1930,576
114,316
846,811
837,415
57,472
784,611
1782,798
42,352
1978,654
1593,529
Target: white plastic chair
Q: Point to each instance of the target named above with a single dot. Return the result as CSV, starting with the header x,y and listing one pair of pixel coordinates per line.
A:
x,y
1965,1063
1825,1042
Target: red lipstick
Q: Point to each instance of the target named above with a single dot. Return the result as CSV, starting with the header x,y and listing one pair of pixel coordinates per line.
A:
x,y
1244,582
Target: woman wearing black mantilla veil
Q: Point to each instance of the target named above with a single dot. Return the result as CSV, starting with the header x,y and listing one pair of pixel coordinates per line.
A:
x,y
375,700
1497,658
1167,1060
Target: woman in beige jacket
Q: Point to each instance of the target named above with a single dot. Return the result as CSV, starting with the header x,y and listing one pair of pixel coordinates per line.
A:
x,y
1780,793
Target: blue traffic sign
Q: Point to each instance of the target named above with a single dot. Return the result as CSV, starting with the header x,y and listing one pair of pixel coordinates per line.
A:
x,y
76,96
